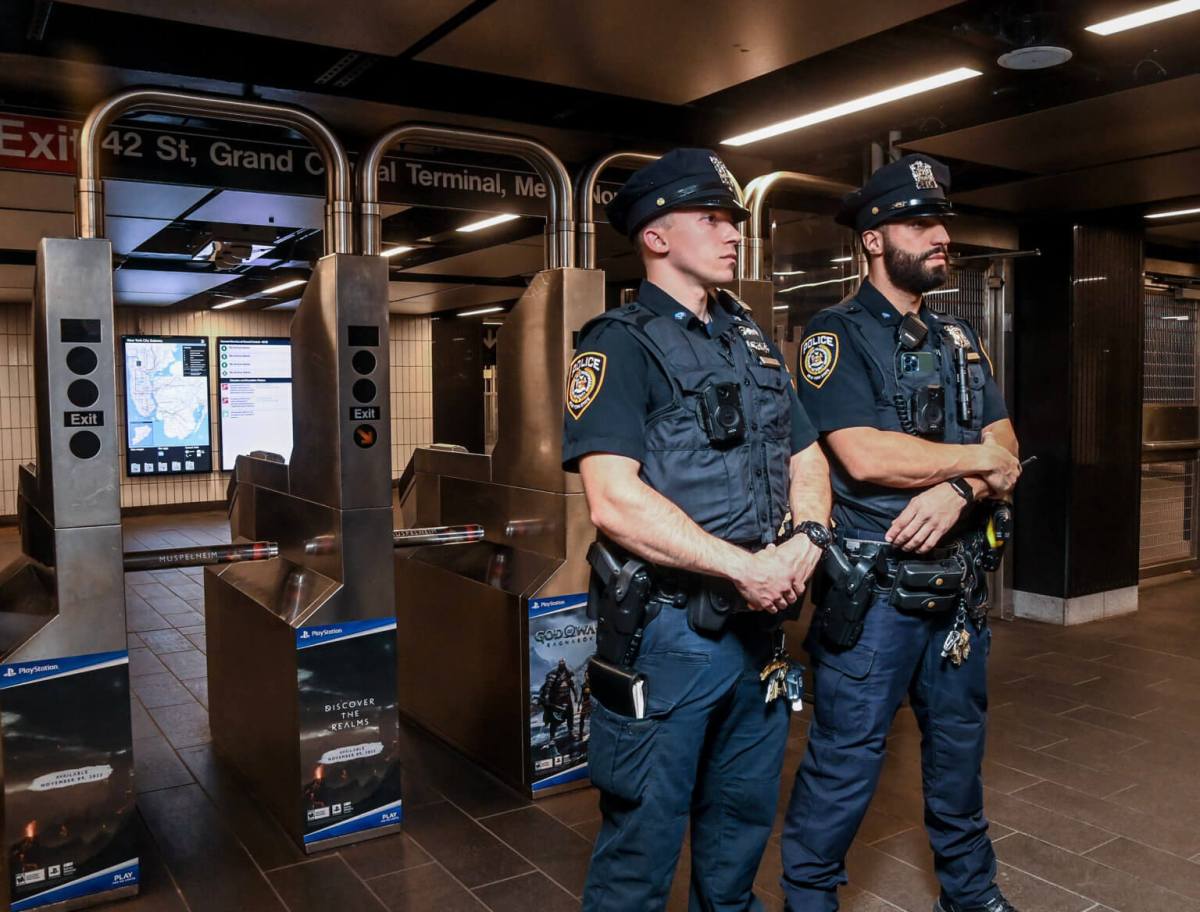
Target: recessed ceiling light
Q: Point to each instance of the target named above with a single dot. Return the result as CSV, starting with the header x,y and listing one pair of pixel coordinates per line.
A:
x,y
275,289
225,304
488,222
1144,17
939,291
396,251
817,284
855,105
791,272
479,311
1157,215
841,259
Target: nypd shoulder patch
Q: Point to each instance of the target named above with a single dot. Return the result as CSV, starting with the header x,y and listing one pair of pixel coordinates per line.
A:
x,y
818,357
584,380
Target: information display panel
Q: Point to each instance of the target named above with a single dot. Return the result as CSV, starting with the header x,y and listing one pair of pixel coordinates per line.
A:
x,y
166,405
254,377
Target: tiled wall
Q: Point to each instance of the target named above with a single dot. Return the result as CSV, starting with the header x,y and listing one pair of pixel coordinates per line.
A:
x,y
412,396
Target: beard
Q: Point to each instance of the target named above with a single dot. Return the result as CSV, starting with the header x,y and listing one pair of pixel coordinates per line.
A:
x,y
909,272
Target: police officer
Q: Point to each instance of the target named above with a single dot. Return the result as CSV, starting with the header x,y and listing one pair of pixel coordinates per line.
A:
x,y
693,448
917,432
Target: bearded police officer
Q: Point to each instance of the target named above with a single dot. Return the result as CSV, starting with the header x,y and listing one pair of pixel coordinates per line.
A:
x,y
693,448
922,454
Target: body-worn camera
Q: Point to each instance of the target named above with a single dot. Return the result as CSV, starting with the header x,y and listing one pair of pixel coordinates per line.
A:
x,y
721,413
924,412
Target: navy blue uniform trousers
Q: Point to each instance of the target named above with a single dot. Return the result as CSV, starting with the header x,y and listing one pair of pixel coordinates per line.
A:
x,y
710,749
857,694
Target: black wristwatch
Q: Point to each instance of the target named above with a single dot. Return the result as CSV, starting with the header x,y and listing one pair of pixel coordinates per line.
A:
x,y
817,533
963,488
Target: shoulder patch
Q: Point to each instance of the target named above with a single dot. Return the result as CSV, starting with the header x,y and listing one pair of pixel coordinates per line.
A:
x,y
818,357
584,380
958,336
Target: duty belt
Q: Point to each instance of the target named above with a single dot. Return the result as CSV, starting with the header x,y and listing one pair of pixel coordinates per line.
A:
x,y
888,558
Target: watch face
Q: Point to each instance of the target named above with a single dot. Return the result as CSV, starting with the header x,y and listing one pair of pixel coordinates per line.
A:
x,y
817,533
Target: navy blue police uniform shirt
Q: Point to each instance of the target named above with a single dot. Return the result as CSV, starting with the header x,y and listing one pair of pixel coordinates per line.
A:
x,y
634,386
849,394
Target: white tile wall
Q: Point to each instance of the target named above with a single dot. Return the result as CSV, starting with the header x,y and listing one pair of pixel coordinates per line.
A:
x,y
412,393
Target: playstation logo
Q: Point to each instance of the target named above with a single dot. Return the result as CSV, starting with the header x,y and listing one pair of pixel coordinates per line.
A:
x,y
10,672
304,634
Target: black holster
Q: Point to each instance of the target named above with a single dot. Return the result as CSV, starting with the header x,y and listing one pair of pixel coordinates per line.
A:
x,y
843,594
618,592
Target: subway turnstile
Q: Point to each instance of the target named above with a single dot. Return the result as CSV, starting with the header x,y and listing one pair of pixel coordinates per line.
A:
x,y
482,627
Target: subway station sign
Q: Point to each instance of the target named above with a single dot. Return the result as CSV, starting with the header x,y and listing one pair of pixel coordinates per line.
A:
x,y
177,155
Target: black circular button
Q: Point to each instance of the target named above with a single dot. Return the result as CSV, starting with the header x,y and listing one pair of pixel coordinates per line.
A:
x,y
84,444
364,390
364,436
363,361
83,393
81,360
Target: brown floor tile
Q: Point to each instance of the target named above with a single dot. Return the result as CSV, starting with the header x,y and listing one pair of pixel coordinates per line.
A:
x,y
574,807
190,663
189,618
323,884
466,849
384,855
184,724
142,661
157,766
552,846
1068,832
1046,766
161,689
143,726
198,687
529,891
1100,883
426,888
891,879
161,641
1166,870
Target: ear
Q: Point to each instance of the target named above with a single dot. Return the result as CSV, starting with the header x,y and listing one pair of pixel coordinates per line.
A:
x,y
655,240
872,241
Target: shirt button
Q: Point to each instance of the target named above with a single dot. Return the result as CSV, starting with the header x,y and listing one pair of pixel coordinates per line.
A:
x,y
745,382
758,472
754,425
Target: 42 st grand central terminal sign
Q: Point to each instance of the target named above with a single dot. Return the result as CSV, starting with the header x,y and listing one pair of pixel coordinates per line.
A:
x,y
176,155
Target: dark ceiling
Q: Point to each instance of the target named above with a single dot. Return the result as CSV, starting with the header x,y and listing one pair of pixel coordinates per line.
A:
x,y
610,76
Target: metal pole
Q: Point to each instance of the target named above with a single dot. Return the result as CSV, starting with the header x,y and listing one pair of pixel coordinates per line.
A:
x,y
437,535
338,187
200,557
752,258
585,222
560,230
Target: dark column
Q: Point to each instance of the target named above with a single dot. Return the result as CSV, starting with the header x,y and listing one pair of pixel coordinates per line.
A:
x,y
458,382
1078,351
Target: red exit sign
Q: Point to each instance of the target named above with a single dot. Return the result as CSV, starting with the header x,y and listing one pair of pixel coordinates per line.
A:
x,y
37,143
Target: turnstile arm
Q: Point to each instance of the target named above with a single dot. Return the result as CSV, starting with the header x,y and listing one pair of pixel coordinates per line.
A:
x,y
170,558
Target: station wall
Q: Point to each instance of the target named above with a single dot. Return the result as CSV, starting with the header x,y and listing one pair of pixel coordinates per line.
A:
x,y
410,342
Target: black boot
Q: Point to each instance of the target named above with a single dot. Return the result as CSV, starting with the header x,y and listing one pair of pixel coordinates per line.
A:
x,y
996,904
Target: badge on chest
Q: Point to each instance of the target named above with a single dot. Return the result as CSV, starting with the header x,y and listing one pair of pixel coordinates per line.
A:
x,y
757,346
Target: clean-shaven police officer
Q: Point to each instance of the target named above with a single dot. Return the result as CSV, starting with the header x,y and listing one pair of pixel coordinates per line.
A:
x,y
693,448
916,431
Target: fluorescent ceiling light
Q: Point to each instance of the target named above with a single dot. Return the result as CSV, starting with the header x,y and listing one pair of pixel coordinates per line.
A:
x,y
488,222
1154,215
817,284
275,289
841,259
792,272
395,251
225,304
1183,318
1144,17
781,307
481,310
941,291
855,105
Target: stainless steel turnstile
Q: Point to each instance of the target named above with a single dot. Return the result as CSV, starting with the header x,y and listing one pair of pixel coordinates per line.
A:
x,y
481,627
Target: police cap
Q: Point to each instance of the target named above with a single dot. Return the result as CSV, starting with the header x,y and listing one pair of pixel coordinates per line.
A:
x,y
681,179
913,186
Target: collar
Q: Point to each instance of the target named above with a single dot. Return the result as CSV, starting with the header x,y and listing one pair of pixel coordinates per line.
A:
x,y
662,304
872,300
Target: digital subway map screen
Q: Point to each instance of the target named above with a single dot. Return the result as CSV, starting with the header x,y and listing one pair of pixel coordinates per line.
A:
x,y
254,379
166,405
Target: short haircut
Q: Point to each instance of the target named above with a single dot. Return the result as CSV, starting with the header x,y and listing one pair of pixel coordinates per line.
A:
x,y
659,221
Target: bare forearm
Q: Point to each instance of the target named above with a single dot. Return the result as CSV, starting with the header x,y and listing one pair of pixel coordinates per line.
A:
x,y
649,525
897,460
808,486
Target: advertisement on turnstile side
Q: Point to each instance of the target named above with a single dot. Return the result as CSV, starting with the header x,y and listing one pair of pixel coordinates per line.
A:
x,y
70,806
349,728
561,640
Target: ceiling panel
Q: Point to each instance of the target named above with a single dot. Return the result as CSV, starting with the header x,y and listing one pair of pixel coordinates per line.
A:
x,y
357,25
517,258
241,207
147,200
127,234
1149,120
158,287
671,51
432,298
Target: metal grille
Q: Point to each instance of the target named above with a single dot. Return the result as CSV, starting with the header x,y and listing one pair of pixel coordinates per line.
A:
x,y
1168,520
1169,359
965,295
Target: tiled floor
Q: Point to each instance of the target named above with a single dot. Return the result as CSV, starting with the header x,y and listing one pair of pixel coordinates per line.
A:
x,y
1092,783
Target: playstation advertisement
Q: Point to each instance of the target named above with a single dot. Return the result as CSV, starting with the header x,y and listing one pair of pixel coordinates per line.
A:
x,y
561,640
68,779
349,728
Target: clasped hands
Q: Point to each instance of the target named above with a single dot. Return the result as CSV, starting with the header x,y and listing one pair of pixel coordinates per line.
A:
x,y
772,579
